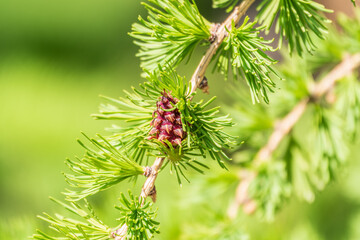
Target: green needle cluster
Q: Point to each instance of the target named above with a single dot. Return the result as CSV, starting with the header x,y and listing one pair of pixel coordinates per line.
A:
x,y
243,53
296,21
170,33
138,218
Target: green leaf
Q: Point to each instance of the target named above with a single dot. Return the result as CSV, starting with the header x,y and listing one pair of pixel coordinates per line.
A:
x,y
171,32
99,169
331,149
118,157
348,104
313,163
270,189
228,4
297,21
243,51
89,228
138,217
316,148
204,126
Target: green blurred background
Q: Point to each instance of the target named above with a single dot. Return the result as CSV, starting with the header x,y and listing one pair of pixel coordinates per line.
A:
x,y
56,58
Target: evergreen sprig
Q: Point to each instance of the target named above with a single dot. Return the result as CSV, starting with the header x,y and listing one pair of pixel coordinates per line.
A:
x,y
295,21
228,4
351,34
314,163
90,227
136,113
312,157
171,31
203,126
336,46
138,217
330,148
243,52
99,169
348,105
270,189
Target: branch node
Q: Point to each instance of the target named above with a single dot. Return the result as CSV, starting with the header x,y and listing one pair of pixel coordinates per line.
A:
x,y
147,171
120,233
213,32
204,85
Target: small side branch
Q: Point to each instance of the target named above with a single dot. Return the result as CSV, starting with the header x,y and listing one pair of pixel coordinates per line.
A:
x,y
287,123
284,126
219,37
148,190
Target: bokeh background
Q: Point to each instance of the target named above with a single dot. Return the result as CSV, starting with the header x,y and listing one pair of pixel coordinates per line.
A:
x,y
56,58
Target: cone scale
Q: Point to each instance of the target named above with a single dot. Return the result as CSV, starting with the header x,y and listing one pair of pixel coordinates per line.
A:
x,y
167,124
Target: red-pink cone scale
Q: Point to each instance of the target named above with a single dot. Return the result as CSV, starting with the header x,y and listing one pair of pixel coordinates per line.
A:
x,y
167,124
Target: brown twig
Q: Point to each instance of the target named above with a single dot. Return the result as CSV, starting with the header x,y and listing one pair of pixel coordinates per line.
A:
x,y
287,123
284,126
220,35
148,188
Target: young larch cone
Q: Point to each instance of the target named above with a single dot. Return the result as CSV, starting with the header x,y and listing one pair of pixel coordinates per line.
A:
x,y
167,124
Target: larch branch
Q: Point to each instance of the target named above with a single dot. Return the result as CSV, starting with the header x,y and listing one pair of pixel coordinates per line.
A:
x,y
148,188
284,126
